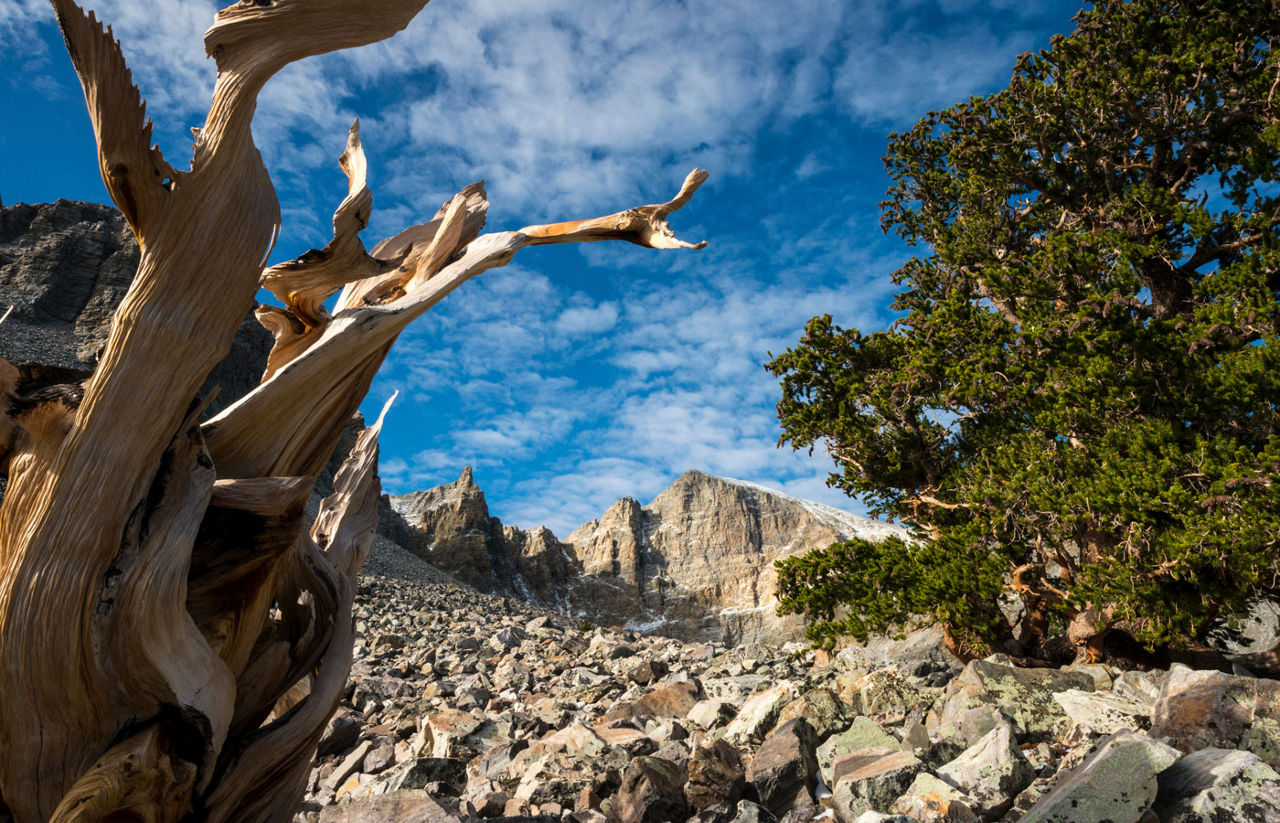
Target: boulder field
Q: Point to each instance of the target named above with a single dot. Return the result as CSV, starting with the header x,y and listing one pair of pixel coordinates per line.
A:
x,y
469,706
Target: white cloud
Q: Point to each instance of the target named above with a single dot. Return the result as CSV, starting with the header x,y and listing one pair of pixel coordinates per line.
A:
x,y
560,103
585,320
19,24
564,393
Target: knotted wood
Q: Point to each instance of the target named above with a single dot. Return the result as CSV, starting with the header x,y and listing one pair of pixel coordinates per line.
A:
x,y
173,635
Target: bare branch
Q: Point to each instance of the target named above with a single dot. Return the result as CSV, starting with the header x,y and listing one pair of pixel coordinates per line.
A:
x,y
271,431
305,283
268,774
134,171
643,225
416,239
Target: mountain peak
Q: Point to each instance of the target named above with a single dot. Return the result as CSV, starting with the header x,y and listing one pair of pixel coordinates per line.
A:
x,y
697,561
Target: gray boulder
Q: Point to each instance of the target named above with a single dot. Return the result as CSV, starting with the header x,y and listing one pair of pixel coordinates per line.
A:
x,y
873,779
1023,695
1104,712
1208,709
865,733
992,772
784,770
1214,785
1117,783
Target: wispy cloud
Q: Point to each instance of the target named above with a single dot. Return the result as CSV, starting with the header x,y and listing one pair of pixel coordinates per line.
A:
x,y
578,376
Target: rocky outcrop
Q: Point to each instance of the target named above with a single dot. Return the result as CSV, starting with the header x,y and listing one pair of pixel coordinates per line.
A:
x,y
64,268
449,526
696,563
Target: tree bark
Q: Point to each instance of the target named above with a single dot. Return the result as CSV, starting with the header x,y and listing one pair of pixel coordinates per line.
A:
x,y
173,636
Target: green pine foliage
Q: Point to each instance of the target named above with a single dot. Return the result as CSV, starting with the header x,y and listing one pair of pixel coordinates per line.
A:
x,y
1082,382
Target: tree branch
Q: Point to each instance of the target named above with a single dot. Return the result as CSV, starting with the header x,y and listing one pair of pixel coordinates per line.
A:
x,y
134,171
271,431
305,283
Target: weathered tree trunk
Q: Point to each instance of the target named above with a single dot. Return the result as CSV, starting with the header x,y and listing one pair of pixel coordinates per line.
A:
x,y
173,636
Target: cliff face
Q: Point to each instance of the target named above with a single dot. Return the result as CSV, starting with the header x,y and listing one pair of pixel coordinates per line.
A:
x,y
64,268
696,563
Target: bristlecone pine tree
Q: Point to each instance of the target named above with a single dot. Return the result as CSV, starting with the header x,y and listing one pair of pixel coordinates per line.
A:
x,y
173,637
1077,409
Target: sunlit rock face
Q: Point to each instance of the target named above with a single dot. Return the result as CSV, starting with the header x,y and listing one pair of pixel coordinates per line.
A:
x,y
696,563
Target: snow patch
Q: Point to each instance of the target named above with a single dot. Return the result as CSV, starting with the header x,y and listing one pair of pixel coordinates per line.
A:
x,y
848,524
645,627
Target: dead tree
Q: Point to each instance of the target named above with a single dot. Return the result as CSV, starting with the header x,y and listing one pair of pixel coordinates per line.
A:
x,y
173,636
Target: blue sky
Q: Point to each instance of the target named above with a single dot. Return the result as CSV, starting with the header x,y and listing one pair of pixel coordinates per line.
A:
x,y
577,375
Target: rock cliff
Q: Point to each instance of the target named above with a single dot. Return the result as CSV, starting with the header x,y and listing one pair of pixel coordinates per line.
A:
x,y
64,268
696,563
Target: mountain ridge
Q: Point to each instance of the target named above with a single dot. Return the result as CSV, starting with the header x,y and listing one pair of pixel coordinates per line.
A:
x,y
695,563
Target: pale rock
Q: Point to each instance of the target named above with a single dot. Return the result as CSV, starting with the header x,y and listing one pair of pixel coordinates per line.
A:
x,y
631,741
758,715
449,729
1142,688
877,777
665,729
349,766
400,806
1025,696
865,733
992,772
1103,675
885,695
551,777
711,714
1214,785
1258,631
424,771
1208,709
955,733
920,649
748,812
357,785
1116,783
823,710
1103,712
736,688
576,740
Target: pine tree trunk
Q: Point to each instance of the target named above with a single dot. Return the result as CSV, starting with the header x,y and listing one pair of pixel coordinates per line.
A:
x,y
173,636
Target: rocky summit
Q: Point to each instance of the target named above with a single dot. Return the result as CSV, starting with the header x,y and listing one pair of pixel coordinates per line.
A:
x,y
695,564
467,706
